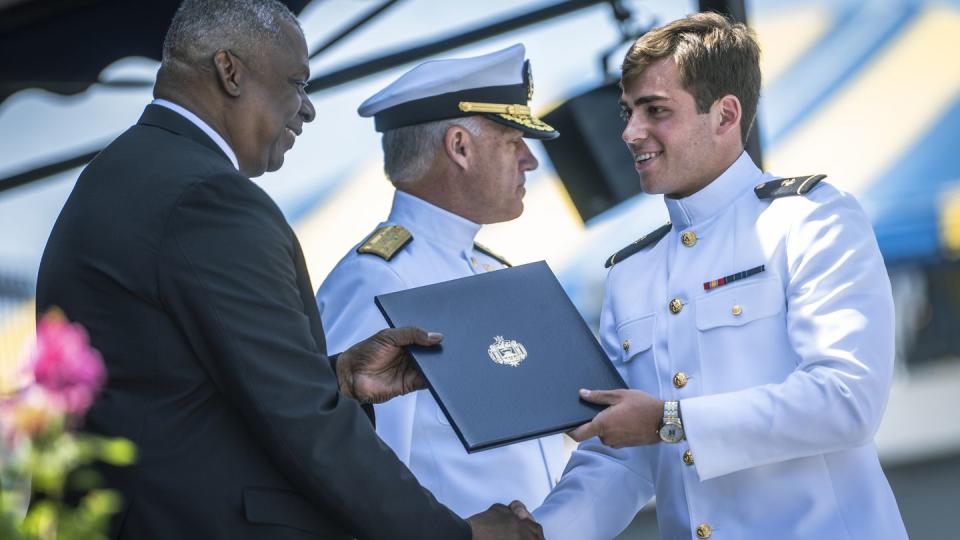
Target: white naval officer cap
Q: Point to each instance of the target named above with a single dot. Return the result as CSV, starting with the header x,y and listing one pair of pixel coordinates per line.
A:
x,y
497,86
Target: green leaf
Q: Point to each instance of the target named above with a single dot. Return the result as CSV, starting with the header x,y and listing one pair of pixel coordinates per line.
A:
x,y
41,520
102,502
118,451
84,479
9,527
13,500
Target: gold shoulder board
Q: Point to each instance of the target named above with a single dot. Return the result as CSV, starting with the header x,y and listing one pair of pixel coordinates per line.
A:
x,y
386,242
486,251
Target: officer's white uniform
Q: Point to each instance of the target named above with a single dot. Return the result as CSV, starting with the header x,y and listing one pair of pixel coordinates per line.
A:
x,y
782,376
413,425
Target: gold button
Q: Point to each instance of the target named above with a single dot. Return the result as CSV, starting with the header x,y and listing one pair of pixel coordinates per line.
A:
x,y
704,531
680,379
737,310
626,345
676,306
688,238
688,457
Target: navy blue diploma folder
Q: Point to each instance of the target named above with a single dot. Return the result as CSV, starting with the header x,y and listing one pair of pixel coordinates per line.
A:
x,y
515,352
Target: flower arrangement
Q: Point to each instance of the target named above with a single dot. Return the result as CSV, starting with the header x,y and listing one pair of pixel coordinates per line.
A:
x,y
42,456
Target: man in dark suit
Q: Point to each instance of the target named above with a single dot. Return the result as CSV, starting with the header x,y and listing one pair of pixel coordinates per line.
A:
x,y
194,288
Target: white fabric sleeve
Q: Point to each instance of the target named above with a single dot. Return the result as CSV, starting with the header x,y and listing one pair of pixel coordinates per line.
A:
x,y
602,488
840,322
350,315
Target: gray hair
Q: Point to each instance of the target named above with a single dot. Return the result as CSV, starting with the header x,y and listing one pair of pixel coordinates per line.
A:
x,y
202,27
409,151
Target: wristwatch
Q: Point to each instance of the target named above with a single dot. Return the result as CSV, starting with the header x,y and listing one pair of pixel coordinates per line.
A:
x,y
671,429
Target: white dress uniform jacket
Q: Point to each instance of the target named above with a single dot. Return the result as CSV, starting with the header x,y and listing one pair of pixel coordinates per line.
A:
x,y
413,425
782,376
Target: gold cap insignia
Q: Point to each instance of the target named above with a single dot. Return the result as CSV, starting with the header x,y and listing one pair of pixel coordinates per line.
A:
x,y
517,115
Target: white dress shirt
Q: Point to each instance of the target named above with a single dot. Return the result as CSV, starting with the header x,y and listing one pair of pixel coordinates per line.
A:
x,y
182,111
787,373
413,425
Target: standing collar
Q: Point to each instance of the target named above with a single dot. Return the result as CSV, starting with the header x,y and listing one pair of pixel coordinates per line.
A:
x,y
209,131
432,222
716,195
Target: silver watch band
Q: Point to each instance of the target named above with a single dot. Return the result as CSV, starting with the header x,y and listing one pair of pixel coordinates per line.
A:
x,y
671,410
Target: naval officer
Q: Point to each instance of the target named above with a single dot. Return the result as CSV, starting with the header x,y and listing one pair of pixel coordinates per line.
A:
x,y
755,329
453,144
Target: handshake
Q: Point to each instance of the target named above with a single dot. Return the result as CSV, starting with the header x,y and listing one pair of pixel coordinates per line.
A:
x,y
502,522
378,369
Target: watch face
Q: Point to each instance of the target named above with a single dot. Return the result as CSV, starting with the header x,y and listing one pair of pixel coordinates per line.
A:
x,y
671,433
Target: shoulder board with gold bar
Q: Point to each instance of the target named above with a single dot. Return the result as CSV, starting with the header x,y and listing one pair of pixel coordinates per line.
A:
x,y
486,251
386,242
643,242
787,187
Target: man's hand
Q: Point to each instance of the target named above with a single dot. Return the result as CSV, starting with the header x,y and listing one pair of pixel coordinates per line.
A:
x,y
632,419
379,368
501,522
520,510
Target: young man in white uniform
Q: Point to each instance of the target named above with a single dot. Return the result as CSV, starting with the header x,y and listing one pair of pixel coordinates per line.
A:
x,y
454,168
755,329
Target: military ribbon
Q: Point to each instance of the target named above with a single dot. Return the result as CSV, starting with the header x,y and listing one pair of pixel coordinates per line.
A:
x,y
713,284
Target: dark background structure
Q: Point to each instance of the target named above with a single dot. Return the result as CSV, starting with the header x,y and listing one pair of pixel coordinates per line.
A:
x,y
64,45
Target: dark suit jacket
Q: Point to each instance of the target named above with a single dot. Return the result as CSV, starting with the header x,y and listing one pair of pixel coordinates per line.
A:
x,y
193,287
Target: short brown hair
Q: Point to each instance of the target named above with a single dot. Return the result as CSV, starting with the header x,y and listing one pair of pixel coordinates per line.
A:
x,y
715,57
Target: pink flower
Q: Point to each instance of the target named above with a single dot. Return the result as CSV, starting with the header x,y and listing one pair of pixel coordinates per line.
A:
x,y
65,364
